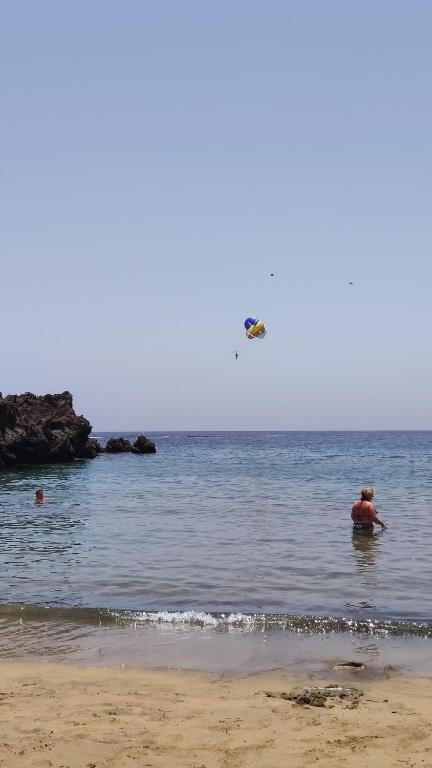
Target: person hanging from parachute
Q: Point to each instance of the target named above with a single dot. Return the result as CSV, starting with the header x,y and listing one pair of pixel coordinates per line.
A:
x,y
255,329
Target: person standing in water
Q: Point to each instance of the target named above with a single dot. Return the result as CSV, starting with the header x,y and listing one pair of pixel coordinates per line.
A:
x,y
364,513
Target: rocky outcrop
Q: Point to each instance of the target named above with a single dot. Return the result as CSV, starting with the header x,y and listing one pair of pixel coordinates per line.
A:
x,y
143,445
43,429
118,445
91,449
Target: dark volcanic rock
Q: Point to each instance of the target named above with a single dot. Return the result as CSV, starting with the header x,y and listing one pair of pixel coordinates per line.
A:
x,y
43,429
37,430
118,445
91,449
143,445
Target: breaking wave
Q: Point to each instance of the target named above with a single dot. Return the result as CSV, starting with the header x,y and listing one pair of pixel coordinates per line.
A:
x,y
220,622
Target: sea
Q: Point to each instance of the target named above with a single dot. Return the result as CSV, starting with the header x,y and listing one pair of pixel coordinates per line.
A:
x,y
230,552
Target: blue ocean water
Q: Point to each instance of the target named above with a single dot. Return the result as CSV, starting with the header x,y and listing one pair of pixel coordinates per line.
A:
x,y
245,524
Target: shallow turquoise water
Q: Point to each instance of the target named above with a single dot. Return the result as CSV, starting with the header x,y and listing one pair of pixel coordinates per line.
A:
x,y
226,522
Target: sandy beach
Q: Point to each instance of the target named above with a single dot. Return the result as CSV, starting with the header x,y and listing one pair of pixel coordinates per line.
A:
x,y
56,716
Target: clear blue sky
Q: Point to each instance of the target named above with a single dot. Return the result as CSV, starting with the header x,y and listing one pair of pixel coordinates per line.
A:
x,y
160,159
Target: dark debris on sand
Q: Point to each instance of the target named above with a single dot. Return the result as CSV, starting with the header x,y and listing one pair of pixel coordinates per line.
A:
x,y
317,696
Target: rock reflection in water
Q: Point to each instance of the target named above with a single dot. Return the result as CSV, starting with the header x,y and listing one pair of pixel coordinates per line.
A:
x,y
41,544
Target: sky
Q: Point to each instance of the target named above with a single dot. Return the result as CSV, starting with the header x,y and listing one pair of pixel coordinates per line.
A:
x,y
158,160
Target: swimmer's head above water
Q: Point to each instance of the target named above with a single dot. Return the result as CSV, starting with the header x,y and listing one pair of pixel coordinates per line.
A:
x,y
39,496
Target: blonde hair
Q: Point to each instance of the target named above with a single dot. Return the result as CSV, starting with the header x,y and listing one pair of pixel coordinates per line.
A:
x,y
367,493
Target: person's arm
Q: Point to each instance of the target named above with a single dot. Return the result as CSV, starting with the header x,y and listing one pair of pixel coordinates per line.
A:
x,y
376,520
354,510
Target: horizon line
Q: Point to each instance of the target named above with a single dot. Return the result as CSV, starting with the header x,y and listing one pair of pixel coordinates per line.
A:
x,y
186,431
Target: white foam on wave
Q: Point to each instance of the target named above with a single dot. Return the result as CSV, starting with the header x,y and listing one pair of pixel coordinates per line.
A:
x,y
194,618
177,617
261,622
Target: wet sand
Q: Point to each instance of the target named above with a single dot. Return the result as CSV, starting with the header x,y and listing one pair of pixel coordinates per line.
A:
x,y
223,650
58,716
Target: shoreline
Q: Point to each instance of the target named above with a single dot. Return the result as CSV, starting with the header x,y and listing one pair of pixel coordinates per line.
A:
x,y
231,651
59,715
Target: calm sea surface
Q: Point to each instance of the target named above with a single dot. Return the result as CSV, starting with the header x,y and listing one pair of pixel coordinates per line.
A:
x,y
253,526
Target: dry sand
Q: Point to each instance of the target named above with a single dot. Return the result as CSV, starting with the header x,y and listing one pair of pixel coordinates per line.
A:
x,y
54,716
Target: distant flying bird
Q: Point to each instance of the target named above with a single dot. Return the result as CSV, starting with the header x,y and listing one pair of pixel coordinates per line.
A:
x,y
351,283
271,274
236,355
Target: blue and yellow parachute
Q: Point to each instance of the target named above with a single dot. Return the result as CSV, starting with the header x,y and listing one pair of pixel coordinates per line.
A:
x,y
255,329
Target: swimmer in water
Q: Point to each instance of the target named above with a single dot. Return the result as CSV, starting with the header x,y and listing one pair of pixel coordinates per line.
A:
x,y
39,496
364,513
